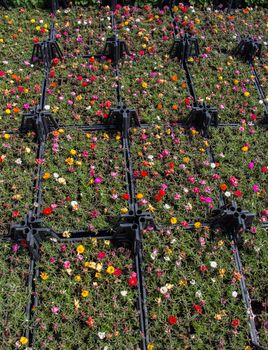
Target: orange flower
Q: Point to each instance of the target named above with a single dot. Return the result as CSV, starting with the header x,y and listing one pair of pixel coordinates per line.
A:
x,y
55,133
237,275
175,107
184,85
174,77
223,187
53,84
159,106
16,110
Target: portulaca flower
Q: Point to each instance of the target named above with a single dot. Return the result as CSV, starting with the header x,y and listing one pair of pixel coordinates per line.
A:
x,y
213,264
101,335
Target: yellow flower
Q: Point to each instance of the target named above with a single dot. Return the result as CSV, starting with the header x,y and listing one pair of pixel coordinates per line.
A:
x,y
246,94
78,163
221,243
8,111
44,276
194,132
91,264
183,283
1,40
77,278
73,152
46,176
85,293
80,249
186,159
88,136
218,317
23,340
66,234
79,98
69,161
236,82
139,195
61,131
220,78
173,220
118,137
124,210
97,274
190,59
248,347
37,27
244,149
222,272
110,270
144,85
32,20
197,224
107,242
6,136
45,25
150,346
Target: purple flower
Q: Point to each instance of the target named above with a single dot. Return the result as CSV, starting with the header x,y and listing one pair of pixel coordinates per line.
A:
x,y
15,247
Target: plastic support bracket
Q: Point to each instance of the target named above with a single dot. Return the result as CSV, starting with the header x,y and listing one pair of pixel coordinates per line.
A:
x,y
40,121
248,48
123,118
202,117
47,50
184,47
115,49
232,218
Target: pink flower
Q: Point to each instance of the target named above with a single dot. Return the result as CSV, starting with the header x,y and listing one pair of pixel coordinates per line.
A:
x,y
177,196
67,264
63,248
233,181
15,248
255,188
101,255
55,309
251,165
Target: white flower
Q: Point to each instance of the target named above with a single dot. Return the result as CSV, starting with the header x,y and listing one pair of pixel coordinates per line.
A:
x,y
213,165
151,157
213,264
166,258
167,206
192,282
123,293
163,290
213,280
198,294
56,175
41,21
18,161
47,107
227,194
62,181
234,294
101,335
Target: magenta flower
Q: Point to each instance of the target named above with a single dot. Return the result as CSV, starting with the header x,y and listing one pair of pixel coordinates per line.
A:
x,y
15,247
67,264
251,165
255,188
98,180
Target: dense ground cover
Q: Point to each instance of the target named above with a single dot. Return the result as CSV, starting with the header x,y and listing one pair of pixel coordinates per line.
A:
x,y
90,288
14,291
81,288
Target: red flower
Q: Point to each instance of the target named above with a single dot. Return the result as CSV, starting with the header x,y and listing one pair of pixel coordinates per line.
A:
x,y
172,320
133,281
90,322
52,73
158,198
144,173
47,211
36,40
126,196
68,198
235,323
84,83
15,214
117,272
264,169
161,192
101,255
203,268
92,59
198,309
55,61
93,145
238,193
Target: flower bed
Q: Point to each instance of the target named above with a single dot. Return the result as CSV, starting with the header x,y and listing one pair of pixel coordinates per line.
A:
x,y
241,167
158,91
86,296
198,303
78,31
20,88
229,87
19,30
84,181
172,174
254,258
17,166
14,294
81,91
